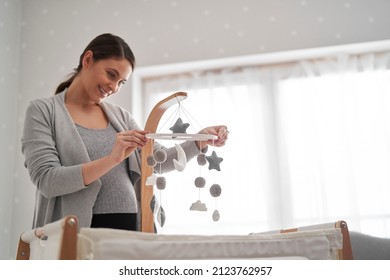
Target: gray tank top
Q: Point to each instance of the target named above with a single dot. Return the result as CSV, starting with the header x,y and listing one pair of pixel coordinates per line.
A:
x,y
117,193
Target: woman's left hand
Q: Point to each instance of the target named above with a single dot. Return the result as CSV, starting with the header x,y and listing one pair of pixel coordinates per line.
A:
x,y
220,131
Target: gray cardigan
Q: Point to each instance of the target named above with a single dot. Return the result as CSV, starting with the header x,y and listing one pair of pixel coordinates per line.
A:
x,y
54,154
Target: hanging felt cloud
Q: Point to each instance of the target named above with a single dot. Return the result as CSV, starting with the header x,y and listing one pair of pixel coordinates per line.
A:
x,y
198,206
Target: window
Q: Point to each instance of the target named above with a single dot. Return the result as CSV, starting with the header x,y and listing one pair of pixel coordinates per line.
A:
x,y
309,143
336,146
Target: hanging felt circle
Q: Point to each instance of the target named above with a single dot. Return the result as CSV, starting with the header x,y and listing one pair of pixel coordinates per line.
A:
x,y
200,182
201,158
161,183
151,161
215,190
160,155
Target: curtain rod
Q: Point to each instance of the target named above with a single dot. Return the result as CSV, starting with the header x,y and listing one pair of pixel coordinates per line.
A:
x,y
261,59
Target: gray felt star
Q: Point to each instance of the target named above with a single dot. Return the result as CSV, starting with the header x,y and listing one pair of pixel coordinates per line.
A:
x,y
214,161
179,126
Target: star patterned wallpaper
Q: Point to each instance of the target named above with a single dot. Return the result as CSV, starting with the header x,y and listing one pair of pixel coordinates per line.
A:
x,y
41,40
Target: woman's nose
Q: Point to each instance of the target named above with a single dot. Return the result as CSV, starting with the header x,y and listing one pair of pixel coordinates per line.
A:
x,y
113,87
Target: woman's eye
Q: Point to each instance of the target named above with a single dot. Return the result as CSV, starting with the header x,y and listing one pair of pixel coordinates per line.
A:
x,y
110,74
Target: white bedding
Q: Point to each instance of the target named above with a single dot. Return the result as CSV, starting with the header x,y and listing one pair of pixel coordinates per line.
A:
x,y
117,244
104,244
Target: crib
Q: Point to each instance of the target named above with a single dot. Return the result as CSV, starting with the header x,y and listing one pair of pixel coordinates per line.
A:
x,y
63,240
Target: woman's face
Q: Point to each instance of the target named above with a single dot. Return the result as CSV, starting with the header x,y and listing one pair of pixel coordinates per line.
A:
x,y
105,77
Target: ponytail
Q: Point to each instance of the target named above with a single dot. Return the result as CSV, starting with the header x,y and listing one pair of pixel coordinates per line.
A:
x,y
65,84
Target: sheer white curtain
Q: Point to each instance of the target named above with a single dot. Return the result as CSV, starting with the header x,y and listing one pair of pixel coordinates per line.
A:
x,y
309,143
334,124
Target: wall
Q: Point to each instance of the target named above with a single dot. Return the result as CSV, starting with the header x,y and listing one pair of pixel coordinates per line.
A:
x,y
47,37
10,19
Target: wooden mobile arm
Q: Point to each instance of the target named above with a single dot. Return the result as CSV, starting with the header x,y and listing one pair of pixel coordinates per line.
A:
x,y
147,221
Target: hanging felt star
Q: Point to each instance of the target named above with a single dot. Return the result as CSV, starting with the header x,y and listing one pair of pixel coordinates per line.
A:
x,y
214,161
179,126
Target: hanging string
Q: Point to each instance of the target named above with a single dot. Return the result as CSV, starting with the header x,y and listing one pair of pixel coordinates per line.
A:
x,y
160,198
159,189
176,113
189,117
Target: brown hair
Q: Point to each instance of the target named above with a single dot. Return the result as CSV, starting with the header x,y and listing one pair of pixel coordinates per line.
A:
x,y
104,46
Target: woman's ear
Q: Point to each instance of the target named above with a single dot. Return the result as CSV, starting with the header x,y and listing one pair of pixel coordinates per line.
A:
x,y
87,59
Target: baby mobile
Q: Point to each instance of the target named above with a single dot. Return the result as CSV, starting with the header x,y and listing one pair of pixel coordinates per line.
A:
x,y
155,158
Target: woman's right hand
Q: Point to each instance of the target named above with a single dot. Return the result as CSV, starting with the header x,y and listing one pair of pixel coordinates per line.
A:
x,y
126,142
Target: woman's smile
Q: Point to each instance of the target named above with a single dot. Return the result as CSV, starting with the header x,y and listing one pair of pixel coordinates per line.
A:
x,y
104,92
